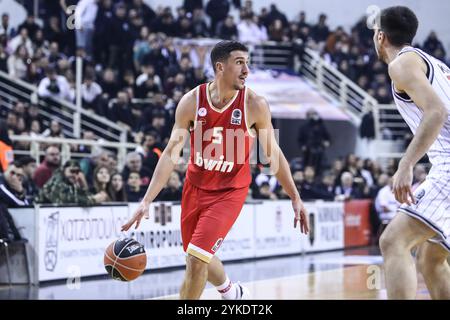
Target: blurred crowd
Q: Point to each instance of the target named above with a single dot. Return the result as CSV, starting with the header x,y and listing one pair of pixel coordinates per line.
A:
x,y
129,53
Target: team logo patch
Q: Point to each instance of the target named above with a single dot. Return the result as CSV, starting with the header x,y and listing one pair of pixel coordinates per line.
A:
x,y
202,112
217,245
236,117
420,195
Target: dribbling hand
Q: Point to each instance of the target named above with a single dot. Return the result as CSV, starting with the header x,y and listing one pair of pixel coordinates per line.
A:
x,y
141,211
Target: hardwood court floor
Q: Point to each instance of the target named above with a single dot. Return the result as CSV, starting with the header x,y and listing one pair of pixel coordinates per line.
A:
x,y
349,274
347,282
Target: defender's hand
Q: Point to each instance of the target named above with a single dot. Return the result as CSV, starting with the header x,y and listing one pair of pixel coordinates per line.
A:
x,y
401,185
141,211
301,215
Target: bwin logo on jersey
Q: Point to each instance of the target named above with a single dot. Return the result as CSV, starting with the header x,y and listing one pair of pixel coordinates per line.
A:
x,y
236,117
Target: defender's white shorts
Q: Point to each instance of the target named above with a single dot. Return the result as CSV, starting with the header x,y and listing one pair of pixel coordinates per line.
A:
x,y
433,207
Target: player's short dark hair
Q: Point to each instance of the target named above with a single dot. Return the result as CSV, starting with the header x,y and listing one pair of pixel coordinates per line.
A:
x,y
223,49
400,25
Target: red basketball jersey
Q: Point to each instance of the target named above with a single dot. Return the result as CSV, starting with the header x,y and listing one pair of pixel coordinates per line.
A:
x,y
220,144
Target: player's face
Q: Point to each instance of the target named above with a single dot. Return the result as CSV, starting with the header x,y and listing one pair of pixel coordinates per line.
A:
x,y
236,69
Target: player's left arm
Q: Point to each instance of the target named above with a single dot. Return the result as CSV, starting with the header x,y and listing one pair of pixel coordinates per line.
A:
x,y
278,163
408,74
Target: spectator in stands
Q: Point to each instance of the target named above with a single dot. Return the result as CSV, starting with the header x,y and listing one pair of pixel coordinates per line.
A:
x,y
346,190
263,177
54,131
5,28
55,56
313,139
276,31
109,84
3,59
6,147
120,112
102,34
217,10
54,85
249,31
302,20
20,109
32,114
265,193
98,157
12,192
432,44
320,31
143,10
134,164
366,174
228,30
102,182
184,26
134,189
18,63
86,135
383,95
85,14
385,203
309,186
50,164
11,123
367,127
120,41
141,47
325,189
22,39
136,24
199,26
147,85
186,69
68,186
159,124
192,5
173,190
54,34
151,149
298,177
29,167
167,24
91,93
31,25
117,190
381,181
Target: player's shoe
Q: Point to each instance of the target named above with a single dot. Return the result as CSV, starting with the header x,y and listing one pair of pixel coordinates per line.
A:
x,y
244,292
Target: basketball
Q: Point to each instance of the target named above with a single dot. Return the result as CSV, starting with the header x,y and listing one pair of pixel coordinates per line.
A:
x,y
125,259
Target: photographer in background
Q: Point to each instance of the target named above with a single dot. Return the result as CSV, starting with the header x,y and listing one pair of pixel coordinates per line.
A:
x,y
54,85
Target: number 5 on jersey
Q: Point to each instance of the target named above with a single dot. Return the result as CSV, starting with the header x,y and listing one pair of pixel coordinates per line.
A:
x,y
217,135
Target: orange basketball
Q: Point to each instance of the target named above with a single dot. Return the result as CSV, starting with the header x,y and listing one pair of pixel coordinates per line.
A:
x,y
125,259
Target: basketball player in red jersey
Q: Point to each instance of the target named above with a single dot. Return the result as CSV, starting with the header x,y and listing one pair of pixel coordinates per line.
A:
x,y
222,118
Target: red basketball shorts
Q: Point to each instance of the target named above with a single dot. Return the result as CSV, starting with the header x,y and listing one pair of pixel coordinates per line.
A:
x,y
207,217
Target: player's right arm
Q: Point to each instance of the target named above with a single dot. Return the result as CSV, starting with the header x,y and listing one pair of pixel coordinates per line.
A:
x,y
408,73
184,118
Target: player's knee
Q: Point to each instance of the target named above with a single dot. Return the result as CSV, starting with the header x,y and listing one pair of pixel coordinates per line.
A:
x,y
195,266
387,242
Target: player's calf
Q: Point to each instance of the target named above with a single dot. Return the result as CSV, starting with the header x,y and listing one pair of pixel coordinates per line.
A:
x,y
195,278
